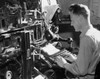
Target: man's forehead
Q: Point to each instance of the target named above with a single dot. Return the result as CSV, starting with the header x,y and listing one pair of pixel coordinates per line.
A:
x,y
73,15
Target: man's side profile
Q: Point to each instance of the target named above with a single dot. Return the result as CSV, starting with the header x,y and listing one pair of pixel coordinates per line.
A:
x,y
89,51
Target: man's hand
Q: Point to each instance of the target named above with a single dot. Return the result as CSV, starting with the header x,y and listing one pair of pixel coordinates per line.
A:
x,y
60,61
69,56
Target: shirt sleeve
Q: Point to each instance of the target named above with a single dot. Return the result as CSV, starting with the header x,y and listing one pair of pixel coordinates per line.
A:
x,y
80,66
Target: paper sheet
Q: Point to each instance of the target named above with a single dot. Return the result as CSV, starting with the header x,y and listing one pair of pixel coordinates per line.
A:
x,y
50,49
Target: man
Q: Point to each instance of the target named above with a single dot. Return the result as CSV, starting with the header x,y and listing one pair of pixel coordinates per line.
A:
x,y
89,52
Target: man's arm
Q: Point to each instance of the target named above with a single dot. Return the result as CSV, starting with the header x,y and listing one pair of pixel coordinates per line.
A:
x,y
80,66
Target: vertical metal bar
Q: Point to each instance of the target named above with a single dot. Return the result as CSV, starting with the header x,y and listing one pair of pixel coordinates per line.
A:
x,y
26,56
23,48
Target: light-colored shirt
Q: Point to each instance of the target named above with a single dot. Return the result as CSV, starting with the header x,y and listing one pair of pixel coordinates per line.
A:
x,y
89,54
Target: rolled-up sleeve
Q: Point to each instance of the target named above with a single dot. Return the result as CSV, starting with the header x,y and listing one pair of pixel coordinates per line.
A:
x,y
80,66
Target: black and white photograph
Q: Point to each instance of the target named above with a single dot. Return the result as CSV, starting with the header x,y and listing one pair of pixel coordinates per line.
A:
x,y
49,39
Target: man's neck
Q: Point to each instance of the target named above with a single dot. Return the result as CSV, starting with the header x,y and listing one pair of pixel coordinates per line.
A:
x,y
85,26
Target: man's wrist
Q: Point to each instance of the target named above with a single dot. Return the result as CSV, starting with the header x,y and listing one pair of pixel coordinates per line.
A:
x,y
64,65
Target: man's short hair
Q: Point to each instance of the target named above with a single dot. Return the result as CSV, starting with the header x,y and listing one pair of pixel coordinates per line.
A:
x,y
80,9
